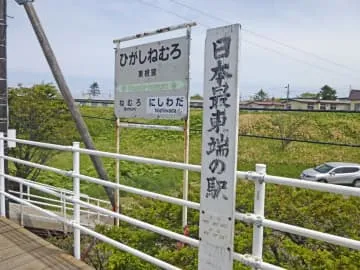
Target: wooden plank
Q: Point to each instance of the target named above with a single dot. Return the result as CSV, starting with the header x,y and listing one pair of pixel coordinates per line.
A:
x,y
20,249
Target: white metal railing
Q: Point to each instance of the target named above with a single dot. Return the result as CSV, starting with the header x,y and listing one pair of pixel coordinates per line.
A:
x,y
257,218
60,205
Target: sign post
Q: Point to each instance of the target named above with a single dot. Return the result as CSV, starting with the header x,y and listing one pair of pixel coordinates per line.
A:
x,y
219,148
152,81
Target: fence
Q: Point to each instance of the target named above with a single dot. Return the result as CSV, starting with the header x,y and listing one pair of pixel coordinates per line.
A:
x,y
59,205
257,218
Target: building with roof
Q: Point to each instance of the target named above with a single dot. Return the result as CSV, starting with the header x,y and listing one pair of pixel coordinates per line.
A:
x,y
354,98
319,104
262,105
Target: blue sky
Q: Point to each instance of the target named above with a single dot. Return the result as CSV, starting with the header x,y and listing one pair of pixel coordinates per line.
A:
x,y
81,34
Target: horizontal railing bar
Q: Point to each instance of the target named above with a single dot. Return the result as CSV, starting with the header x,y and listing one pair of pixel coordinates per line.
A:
x,y
141,224
149,126
169,164
249,260
55,200
99,200
40,144
38,197
329,238
67,208
292,182
283,227
41,217
125,248
352,191
141,192
47,212
44,204
39,166
33,185
143,160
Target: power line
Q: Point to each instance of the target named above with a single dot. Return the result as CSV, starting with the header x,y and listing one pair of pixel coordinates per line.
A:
x,y
248,135
265,37
300,50
296,59
163,9
245,40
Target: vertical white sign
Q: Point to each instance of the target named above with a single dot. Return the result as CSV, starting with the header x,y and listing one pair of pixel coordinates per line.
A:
x,y
219,148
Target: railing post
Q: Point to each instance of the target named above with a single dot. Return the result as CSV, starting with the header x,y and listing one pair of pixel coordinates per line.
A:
x,y
63,207
98,214
2,177
21,206
88,212
76,206
259,205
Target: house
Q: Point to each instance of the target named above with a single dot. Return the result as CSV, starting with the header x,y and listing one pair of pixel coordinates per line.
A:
x,y
354,98
262,105
319,104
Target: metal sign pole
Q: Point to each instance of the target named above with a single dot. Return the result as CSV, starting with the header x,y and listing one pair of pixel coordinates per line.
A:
x,y
117,173
219,148
186,140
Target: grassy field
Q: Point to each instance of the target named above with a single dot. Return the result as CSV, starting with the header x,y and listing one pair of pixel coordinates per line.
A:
x,y
168,145
315,210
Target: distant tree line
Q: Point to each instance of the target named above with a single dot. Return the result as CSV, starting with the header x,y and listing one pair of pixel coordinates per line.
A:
x,y
326,93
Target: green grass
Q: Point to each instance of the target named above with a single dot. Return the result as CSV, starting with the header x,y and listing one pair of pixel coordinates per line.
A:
x,y
310,209
168,145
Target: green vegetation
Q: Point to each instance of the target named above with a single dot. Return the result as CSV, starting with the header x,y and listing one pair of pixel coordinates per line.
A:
x,y
326,93
315,210
261,95
37,114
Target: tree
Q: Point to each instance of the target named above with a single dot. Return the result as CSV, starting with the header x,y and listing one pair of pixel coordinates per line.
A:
x,y
309,95
288,126
261,95
94,90
38,114
327,93
196,97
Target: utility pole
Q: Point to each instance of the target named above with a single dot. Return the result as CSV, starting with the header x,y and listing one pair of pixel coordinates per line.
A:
x,y
287,95
65,91
4,123
287,92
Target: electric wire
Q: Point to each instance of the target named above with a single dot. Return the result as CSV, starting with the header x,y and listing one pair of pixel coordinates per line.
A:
x,y
251,42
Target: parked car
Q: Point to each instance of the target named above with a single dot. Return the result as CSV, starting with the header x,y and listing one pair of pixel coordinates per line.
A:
x,y
341,173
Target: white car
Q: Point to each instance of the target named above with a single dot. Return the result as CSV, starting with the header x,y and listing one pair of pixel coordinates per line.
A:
x,y
341,173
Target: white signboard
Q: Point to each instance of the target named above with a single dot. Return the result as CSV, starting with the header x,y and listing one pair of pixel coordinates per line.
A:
x,y
219,148
151,80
